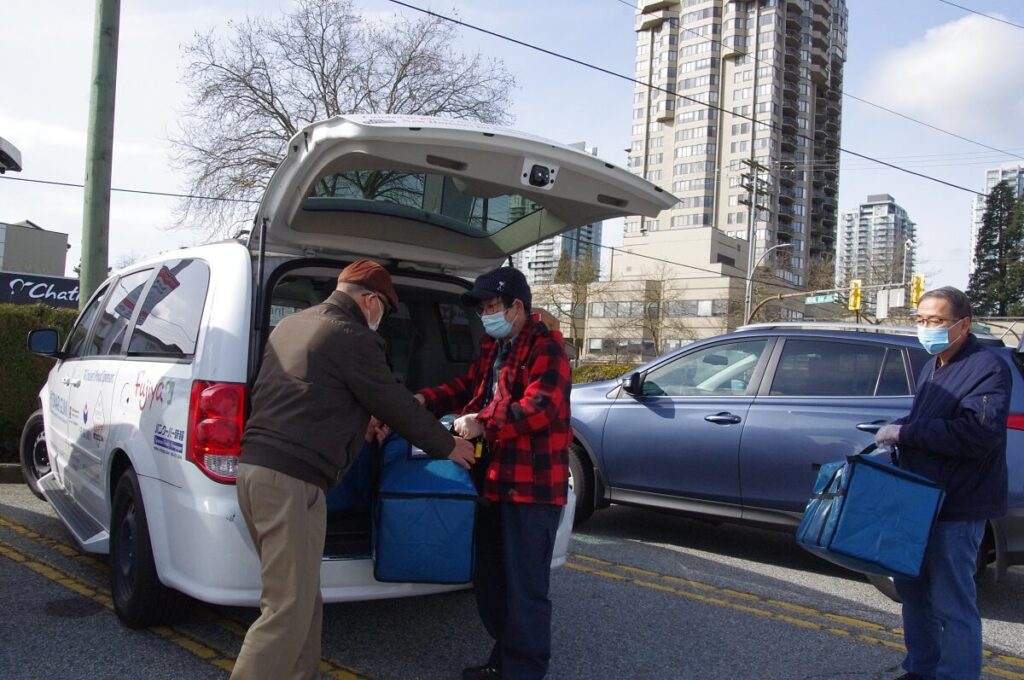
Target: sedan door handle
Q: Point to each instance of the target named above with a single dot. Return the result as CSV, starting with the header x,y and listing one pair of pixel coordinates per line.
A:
x,y
873,427
723,418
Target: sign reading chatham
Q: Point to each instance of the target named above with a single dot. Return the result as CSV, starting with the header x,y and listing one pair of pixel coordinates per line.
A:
x,y
30,289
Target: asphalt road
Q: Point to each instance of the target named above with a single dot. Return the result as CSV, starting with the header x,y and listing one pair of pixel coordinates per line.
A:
x,y
643,595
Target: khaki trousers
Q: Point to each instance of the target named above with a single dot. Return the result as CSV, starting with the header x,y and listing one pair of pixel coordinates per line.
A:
x,y
287,519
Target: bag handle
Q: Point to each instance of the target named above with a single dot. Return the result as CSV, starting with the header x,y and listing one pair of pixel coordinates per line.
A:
x,y
894,454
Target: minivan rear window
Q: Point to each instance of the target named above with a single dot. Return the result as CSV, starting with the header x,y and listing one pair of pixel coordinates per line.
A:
x,y
435,199
168,324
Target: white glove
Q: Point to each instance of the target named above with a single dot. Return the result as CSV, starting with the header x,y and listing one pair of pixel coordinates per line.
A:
x,y
890,434
468,427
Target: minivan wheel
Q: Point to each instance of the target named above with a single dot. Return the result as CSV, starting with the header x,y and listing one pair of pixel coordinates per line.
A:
x,y
140,600
35,457
581,484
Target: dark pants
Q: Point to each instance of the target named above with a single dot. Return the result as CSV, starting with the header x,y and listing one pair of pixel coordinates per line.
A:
x,y
514,542
941,623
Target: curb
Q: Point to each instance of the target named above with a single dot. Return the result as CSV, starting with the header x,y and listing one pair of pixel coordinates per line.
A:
x,y
10,473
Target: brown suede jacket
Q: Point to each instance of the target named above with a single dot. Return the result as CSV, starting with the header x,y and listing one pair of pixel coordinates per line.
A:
x,y
324,373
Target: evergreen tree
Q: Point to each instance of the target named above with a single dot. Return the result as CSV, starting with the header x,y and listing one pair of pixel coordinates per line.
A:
x,y
564,272
1015,271
994,285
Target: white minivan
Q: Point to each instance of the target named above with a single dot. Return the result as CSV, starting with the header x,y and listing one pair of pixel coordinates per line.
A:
x,y
138,434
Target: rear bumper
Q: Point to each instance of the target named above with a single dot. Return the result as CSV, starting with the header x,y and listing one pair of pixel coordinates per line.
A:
x,y
203,549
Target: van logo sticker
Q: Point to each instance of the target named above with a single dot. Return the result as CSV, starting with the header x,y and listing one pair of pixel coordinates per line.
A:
x,y
98,376
85,413
170,440
58,405
99,424
149,391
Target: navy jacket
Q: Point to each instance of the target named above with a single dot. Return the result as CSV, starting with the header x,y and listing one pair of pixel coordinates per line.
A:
x,y
956,431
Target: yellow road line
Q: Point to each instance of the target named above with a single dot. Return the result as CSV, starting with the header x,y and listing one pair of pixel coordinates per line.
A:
x,y
82,588
184,639
717,598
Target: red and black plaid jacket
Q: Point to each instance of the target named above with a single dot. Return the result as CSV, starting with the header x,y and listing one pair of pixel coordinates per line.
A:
x,y
526,424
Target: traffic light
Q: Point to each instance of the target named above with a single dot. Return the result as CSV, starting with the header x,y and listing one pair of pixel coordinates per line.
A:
x,y
916,289
855,295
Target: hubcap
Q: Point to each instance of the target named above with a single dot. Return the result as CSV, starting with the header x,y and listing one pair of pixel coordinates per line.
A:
x,y
40,456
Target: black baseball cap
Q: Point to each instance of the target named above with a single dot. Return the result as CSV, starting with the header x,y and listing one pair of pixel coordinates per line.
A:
x,y
501,281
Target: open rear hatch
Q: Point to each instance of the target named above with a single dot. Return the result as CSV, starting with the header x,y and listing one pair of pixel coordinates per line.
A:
x,y
434,194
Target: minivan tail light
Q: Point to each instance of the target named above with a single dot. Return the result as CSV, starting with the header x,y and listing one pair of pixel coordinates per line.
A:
x,y
1015,421
215,422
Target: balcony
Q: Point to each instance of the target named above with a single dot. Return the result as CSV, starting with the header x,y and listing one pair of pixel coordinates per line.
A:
x,y
789,125
788,143
649,20
655,5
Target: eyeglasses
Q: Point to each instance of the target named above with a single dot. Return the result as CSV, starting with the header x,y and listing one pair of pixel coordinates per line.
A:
x,y
935,321
491,308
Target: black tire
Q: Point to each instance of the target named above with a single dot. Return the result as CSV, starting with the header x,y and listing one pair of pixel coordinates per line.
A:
x,y
140,600
35,457
582,483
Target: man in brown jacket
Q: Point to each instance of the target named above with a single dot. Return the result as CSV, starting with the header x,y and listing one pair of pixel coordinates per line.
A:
x,y
324,372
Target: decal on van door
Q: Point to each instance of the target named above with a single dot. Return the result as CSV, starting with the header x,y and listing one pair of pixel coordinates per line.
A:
x,y
150,392
170,440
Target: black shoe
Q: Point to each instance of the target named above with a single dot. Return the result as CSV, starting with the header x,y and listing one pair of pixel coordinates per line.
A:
x,y
485,672
910,676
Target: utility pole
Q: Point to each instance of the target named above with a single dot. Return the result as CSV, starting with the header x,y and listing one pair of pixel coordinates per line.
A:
x,y
753,187
99,149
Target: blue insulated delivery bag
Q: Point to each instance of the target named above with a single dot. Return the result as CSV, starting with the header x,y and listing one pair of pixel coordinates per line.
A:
x,y
870,516
423,521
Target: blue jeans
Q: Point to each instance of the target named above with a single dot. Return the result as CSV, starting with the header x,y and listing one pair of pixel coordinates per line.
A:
x,y
514,542
941,624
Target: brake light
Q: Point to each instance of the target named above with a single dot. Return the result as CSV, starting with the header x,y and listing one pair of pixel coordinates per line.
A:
x,y
1015,421
215,422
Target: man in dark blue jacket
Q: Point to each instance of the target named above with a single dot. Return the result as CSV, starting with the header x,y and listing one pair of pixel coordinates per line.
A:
x,y
956,436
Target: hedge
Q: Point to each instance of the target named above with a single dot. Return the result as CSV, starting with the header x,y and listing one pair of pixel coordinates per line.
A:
x,y
22,375
596,372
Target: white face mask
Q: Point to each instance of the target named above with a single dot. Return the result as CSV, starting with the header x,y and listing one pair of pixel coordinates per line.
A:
x,y
374,325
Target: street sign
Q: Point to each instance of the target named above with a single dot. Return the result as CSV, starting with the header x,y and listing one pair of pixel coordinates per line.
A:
x,y
821,299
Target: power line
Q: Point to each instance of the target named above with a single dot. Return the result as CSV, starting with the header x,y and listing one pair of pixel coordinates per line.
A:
x,y
716,274
714,107
756,60
981,14
243,200
130,191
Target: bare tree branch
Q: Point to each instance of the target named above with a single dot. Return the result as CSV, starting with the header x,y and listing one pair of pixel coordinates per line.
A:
x,y
255,83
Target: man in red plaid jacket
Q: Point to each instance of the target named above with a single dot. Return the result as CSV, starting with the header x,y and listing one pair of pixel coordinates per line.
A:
x,y
515,398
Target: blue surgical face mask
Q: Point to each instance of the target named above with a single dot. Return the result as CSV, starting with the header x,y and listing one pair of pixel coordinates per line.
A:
x,y
496,325
935,340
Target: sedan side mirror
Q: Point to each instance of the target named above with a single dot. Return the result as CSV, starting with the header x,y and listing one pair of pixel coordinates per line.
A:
x,y
44,341
631,384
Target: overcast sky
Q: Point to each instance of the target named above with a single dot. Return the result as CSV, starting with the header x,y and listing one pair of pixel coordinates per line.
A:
x,y
924,58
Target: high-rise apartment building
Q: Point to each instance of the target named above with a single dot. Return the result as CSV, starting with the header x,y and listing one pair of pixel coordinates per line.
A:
x,y
773,69
540,262
1008,172
875,243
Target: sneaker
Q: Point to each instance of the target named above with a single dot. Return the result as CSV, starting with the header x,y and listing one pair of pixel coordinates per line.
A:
x,y
485,672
